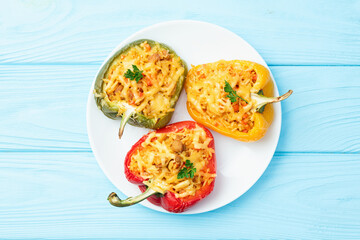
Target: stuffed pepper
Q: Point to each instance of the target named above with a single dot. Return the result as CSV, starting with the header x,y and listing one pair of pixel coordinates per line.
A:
x,y
175,167
140,84
230,97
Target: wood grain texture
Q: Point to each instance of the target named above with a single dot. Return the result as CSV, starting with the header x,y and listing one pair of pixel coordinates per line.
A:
x,y
291,33
44,108
63,195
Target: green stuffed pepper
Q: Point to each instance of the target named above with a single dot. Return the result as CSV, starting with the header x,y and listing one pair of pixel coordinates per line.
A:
x,y
140,84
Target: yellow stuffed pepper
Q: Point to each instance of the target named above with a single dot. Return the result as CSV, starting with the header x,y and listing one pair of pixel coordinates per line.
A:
x,y
230,97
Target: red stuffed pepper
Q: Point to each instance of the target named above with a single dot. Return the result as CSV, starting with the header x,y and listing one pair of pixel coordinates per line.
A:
x,y
175,167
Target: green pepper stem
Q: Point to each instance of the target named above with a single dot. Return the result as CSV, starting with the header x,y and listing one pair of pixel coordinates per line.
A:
x,y
124,119
117,202
261,100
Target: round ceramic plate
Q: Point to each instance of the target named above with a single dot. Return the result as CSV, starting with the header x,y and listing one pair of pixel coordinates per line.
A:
x,y
239,164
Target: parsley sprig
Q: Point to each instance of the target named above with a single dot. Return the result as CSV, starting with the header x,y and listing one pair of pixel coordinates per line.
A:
x,y
232,93
187,171
136,74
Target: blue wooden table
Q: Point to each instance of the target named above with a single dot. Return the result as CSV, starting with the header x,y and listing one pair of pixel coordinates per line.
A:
x,y
51,185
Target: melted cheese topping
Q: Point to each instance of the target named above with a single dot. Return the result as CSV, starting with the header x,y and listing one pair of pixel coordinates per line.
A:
x,y
151,96
205,92
159,163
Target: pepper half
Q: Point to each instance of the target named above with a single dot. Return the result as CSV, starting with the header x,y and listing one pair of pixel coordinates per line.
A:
x,y
171,149
140,84
230,97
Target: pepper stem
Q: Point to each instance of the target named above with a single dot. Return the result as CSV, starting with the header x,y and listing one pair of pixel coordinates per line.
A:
x,y
261,100
117,202
125,117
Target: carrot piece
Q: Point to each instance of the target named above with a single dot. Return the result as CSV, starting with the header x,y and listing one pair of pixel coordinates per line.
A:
x,y
148,82
236,107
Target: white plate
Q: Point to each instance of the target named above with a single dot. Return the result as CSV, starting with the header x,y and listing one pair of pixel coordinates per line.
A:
x,y
239,165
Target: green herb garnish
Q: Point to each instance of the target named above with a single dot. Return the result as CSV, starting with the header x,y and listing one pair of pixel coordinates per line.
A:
x,y
232,93
187,171
136,74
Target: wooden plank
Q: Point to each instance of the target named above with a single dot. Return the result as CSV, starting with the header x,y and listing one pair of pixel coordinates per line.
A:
x,y
323,113
44,108
63,195
285,33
